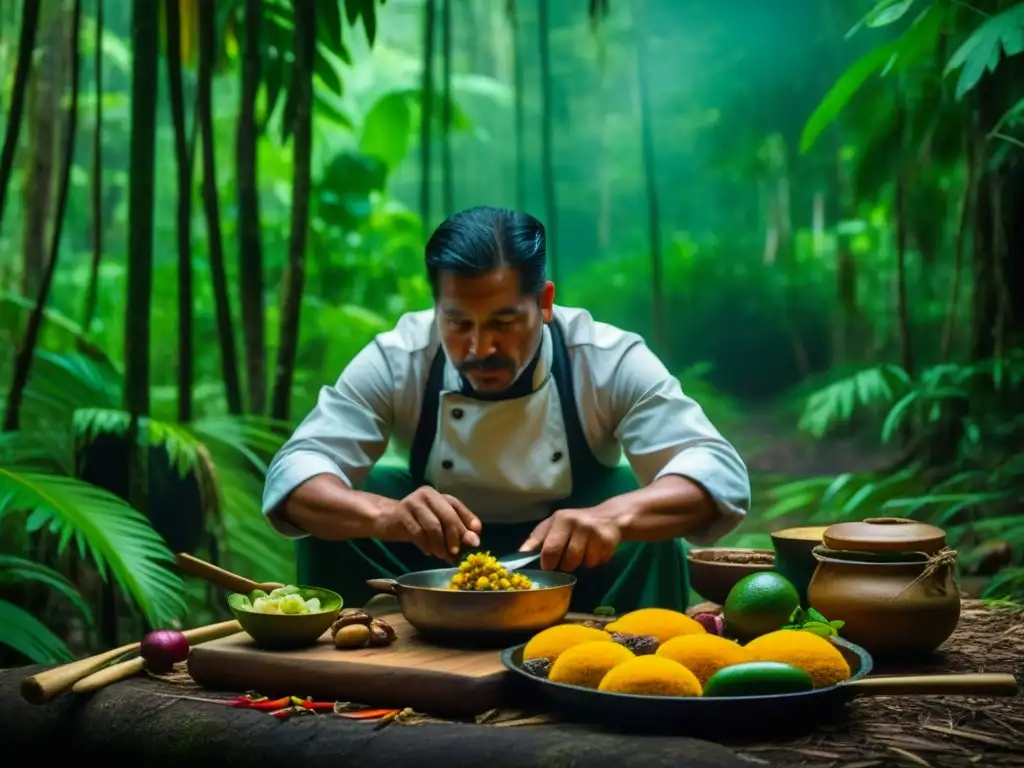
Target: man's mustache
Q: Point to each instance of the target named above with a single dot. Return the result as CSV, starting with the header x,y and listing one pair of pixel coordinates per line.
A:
x,y
493,363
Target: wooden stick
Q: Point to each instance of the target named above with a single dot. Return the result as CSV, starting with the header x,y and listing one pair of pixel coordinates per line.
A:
x,y
47,685
115,673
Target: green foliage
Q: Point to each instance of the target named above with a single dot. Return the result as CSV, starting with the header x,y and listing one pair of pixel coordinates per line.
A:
x,y
117,539
972,497
998,36
23,632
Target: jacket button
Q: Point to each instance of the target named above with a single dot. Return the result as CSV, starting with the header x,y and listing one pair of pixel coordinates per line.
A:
x,y
556,456
447,464
457,413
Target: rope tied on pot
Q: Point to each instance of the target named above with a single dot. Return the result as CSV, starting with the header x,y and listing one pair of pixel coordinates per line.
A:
x,y
944,558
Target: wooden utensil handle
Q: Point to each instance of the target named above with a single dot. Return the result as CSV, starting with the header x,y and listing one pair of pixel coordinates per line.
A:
x,y
388,586
976,684
47,685
201,569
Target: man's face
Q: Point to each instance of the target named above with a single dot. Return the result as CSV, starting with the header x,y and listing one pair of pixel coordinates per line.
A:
x,y
489,330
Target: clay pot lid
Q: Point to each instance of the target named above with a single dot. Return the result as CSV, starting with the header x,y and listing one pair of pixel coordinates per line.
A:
x,y
885,534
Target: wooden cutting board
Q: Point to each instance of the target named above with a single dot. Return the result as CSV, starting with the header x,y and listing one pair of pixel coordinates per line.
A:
x,y
408,673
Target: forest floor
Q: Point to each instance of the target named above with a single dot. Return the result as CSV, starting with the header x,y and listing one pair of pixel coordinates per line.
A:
x,y
771,444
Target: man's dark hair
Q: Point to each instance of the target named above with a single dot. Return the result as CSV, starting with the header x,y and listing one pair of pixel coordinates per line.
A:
x,y
477,240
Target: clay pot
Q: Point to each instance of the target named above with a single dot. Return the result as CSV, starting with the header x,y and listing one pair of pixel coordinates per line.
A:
x,y
794,558
885,534
893,604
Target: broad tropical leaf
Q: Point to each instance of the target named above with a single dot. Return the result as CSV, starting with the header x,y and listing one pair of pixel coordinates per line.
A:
x,y
117,538
23,632
17,569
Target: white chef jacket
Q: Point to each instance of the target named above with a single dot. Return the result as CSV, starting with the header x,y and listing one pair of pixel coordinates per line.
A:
x,y
496,455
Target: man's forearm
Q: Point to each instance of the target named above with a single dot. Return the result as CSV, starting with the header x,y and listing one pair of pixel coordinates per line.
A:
x,y
326,508
671,507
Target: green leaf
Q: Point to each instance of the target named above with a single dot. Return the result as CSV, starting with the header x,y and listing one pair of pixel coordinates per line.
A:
x,y
844,89
328,105
981,51
797,616
354,9
328,20
23,632
815,616
821,630
884,13
16,569
837,624
387,128
118,539
888,12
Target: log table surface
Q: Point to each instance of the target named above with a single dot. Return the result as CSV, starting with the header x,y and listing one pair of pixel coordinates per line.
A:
x,y
129,721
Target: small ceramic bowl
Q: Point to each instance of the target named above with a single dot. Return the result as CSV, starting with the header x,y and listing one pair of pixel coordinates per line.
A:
x,y
278,631
715,570
793,555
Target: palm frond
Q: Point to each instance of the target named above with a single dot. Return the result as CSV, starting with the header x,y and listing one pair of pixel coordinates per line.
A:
x,y
118,539
182,448
17,569
251,543
61,383
836,404
23,632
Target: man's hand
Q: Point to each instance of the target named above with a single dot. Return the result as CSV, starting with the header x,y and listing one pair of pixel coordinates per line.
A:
x,y
574,537
437,523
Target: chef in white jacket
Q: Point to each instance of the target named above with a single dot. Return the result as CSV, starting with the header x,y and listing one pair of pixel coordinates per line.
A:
x,y
514,414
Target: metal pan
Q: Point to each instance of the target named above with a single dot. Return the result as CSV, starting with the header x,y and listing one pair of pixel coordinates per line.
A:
x,y
747,717
479,618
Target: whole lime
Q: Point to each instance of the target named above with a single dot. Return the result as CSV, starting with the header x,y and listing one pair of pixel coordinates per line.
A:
x,y
758,604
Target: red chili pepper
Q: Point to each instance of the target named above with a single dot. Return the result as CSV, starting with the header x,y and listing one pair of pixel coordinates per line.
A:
x,y
370,714
269,705
321,706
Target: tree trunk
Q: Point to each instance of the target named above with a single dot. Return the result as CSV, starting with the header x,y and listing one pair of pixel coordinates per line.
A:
x,y
23,362
139,280
520,114
427,113
250,252
44,121
902,308
962,229
305,51
96,182
641,39
22,70
447,187
211,207
183,156
546,140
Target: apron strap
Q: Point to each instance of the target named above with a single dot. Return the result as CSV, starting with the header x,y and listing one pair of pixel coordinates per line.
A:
x,y
426,429
584,465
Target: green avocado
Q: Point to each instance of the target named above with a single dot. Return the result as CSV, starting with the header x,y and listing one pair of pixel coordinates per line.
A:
x,y
757,678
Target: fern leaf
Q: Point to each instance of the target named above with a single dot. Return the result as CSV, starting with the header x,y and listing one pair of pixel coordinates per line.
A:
x,y
117,538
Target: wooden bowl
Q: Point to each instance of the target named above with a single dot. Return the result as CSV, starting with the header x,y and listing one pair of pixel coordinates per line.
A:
x,y
278,631
715,570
